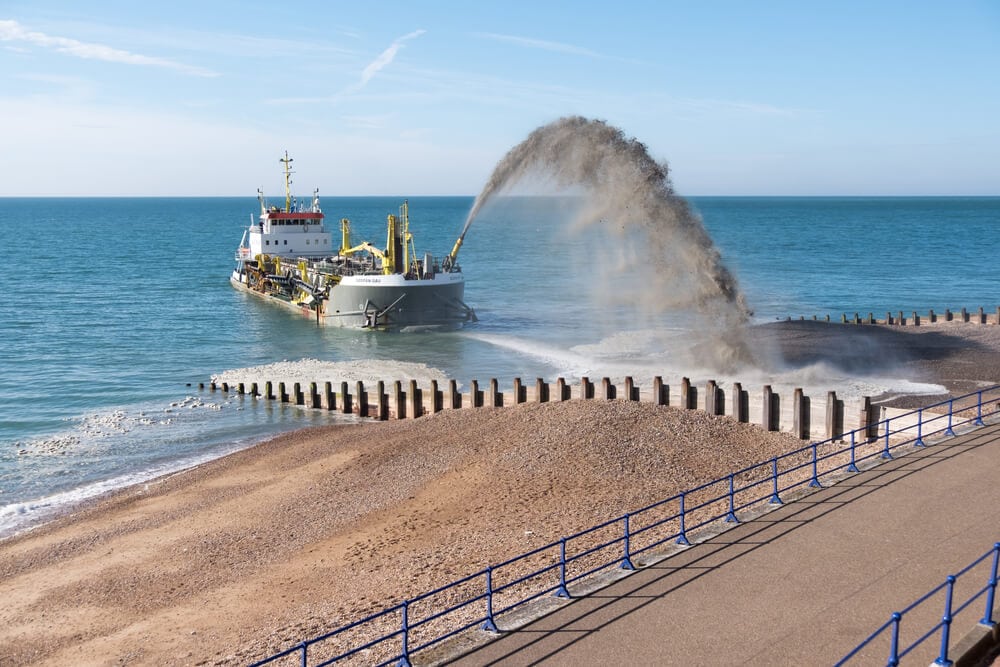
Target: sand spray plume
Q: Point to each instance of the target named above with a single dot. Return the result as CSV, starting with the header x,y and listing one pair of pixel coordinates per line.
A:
x,y
658,256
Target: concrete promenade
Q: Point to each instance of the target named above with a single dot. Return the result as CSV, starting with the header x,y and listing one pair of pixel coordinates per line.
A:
x,y
801,585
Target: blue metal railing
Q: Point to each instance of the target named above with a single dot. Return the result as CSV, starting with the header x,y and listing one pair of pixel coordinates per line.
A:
x,y
892,626
478,600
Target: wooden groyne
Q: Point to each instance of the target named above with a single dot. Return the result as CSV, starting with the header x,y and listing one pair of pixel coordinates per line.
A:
x,y
899,318
790,411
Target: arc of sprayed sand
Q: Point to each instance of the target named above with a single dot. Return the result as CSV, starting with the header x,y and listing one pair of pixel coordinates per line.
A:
x,y
633,188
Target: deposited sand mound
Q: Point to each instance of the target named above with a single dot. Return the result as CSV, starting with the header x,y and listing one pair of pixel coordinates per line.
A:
x,y
251,553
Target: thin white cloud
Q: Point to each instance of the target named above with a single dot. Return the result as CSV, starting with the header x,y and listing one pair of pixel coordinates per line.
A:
x,y
385,58
12,31
555,47
741,106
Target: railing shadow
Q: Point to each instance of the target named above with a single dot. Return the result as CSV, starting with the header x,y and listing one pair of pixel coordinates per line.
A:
x,y
657,581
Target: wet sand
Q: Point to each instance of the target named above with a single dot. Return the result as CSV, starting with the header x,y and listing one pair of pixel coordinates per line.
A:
x,y
249,554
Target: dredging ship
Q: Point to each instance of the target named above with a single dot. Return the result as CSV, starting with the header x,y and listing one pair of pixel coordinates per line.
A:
x,y
287,256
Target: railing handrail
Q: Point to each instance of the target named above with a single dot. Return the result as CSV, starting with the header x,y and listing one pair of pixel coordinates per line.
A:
x,y
771,495
950,611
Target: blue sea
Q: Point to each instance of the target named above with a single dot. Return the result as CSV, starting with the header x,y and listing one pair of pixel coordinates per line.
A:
x,y
115,309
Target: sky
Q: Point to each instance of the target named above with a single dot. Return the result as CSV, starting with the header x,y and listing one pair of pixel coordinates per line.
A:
x,y
125,98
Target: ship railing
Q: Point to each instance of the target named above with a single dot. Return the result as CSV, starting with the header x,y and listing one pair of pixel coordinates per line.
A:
x,y
498,597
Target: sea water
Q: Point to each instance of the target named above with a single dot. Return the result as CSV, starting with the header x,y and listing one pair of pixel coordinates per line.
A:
x,y
113,310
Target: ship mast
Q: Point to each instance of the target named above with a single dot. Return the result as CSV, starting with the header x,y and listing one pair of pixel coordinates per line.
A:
x,y
288,182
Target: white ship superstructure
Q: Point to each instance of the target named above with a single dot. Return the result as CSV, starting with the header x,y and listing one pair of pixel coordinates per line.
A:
x,y
287,255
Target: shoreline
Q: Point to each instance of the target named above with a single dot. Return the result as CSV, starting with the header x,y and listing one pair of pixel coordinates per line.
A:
x,y
246,554
919,352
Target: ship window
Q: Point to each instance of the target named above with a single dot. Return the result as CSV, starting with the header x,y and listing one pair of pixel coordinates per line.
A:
x,y
307,241
267,243
286,241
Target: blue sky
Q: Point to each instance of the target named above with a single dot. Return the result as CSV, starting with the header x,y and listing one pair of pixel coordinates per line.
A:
x,y
414,98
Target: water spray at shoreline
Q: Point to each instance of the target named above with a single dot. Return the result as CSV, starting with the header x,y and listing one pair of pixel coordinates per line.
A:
x,y
658,256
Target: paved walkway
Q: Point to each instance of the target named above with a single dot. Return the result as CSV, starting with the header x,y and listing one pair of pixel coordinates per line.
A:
x,y
802,585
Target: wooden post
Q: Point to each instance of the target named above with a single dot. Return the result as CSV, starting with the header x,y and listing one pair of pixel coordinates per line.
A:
x,y
399,399
800,414
382,402
981,318
345,399
587,388
297,392
562,390
496,397
607,389
947,315
770,420
631,393
416,400
282,394
689,395
437,398
455,396
519,393
901,321
660,397
330,399
915,319
541,391
361,397
834,417
931,316
254,390
711,397
475,395
741,404
868,423
313,395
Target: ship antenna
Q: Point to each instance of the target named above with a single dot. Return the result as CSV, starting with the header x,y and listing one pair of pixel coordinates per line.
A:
x,y
288,182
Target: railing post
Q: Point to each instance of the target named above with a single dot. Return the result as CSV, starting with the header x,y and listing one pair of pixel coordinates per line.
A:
x,y
991,588
626,563
853,465
682,538
946,624
814,482
894,641
951,410
919,442
489,625
979,409
886,454
775,498
404,659
305,657
731,515
562,591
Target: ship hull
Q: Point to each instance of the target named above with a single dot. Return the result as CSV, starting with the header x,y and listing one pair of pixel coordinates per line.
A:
x,y
382,302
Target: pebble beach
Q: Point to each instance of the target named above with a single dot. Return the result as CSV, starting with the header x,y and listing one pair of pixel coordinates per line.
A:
x,y
248,554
